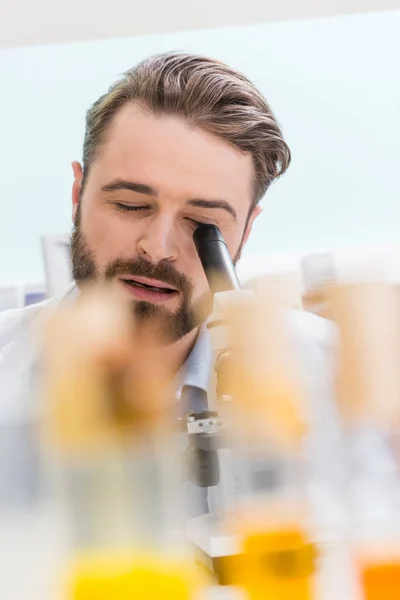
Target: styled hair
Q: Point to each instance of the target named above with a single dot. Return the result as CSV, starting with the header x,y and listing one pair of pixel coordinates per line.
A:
x,y
207,94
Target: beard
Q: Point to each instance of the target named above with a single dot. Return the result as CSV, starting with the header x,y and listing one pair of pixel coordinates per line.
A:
x,y
170,326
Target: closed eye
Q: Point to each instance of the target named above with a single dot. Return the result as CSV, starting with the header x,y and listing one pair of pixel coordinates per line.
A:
x,y
134,208
129,207
194,222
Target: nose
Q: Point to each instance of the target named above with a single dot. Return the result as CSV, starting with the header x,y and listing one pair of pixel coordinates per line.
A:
x,y
159,240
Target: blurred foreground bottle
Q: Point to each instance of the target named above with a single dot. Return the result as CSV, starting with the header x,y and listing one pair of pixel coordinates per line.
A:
x,y
115,456
258,535
368,393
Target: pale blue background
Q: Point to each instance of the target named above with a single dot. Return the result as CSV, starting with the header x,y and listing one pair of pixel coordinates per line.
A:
x,y
333,84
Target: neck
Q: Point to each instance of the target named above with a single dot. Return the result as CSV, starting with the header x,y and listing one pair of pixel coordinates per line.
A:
x,y
161,360
175,355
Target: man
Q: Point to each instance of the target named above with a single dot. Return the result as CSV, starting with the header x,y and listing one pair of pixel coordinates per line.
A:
x,y
179,140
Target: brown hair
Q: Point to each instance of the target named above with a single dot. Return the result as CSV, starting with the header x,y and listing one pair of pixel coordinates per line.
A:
x,y
207,94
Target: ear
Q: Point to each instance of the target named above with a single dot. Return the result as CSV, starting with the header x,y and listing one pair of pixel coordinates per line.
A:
x,y
76,187
254,214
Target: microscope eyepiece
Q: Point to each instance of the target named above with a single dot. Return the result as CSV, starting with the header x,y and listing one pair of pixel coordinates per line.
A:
x,y
215,259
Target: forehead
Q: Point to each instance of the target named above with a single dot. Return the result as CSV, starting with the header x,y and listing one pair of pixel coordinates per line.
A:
x,y
163,151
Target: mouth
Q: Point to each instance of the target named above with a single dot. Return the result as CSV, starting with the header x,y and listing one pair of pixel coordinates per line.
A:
x,y
151,290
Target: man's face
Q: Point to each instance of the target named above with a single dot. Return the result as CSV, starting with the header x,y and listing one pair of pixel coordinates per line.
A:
x,y
154,180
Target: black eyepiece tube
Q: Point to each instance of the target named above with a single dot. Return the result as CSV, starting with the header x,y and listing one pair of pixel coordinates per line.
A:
x,y
215,258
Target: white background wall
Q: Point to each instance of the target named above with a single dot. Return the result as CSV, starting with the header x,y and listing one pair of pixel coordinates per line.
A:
x,y
23,22
333,84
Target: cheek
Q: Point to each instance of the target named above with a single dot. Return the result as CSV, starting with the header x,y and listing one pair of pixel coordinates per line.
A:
x,y
188,263
200,281
108,235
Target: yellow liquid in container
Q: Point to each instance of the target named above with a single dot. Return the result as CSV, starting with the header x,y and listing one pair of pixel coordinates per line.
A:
x,y
112,576
276,564
380,573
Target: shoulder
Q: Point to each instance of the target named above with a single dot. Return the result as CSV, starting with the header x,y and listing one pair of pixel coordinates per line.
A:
x,y
17,358
17,324
16,320
20,356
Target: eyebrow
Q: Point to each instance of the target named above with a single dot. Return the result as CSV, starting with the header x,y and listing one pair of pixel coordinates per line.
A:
x,y
132,186
220,204
147,190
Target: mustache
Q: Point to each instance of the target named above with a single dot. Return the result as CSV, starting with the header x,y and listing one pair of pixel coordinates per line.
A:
x,y
163,271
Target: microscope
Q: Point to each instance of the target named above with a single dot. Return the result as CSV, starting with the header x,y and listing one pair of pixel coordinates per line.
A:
x,y
253,483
